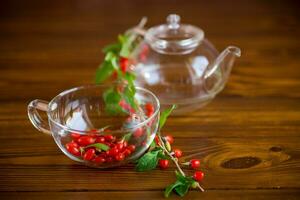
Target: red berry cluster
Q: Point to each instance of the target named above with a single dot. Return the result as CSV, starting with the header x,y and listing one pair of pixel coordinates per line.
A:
x,y
118,150
177,153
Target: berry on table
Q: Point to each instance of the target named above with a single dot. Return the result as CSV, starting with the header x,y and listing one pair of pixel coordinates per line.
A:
x,y
169,138
157,140
163,164
198,176
178,153
195,163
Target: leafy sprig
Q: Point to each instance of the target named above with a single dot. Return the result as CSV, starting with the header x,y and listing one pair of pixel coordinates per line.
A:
x,y
114,54
181,186
112,67
149,160
164,115
162,150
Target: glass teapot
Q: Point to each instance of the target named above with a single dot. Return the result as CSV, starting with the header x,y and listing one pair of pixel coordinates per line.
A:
x,y
180,66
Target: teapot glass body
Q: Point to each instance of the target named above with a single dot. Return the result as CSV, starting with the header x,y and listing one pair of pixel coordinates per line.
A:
x,y
180,66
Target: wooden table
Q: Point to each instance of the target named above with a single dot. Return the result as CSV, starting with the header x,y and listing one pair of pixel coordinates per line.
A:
x,y
248,138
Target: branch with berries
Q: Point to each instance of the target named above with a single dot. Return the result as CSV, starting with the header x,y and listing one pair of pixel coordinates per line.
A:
x,y
161,152
118,100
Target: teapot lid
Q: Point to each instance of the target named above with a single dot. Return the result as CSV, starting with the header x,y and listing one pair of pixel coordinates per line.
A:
x,y
173,37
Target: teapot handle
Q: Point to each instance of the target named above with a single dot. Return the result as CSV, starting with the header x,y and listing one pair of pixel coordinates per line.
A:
x,y
35,117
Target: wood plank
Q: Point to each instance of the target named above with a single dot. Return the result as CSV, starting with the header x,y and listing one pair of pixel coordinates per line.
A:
x,y
231,163
210,194
247,138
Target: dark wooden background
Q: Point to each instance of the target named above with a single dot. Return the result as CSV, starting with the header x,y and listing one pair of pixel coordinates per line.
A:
x,y
248,138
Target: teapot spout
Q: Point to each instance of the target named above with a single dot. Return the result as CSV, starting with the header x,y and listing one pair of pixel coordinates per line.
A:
x,y
220,69
225,60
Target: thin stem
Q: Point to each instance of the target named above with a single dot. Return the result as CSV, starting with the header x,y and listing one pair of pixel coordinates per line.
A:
x,y
201,188
175,160
162,145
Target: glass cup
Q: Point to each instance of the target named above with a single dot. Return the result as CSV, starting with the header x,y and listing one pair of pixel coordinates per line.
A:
x,y
86,133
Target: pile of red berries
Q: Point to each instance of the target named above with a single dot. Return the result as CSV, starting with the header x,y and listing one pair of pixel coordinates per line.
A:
x,y
85,147
177,153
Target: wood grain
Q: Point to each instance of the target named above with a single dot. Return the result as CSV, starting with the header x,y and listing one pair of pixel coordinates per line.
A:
x,y
219,195
276,165
247,138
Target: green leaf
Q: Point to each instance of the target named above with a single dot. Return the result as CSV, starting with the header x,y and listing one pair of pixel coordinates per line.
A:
x,y
181,186
127,42
148,161
129,96
103,72
171,187
99,146
114,109
182,189
114,62
130,77
122,38
129,91
153,144
110,56
111,99
115,48
161,155
111,96
180,177
184,179
164,115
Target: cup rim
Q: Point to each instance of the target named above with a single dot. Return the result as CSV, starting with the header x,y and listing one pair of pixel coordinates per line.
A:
x,y
156,112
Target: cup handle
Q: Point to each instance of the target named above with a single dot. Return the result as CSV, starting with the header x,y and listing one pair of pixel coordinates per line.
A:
x,y
35,117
